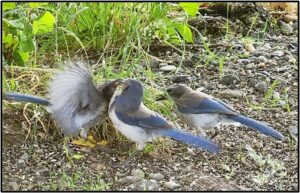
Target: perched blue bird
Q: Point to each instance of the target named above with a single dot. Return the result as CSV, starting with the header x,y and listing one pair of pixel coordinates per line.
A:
x,y
75,103
134,120
204,112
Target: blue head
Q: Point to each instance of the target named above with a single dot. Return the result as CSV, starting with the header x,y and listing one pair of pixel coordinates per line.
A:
x,y
131,96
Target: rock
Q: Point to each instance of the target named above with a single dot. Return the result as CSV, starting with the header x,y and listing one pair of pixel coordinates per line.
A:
x,y
267,46
278,53
250,66
21,164
290,17
14,186
262,59
195,58
232,93
243,73
293,130
292,60
171,185
39,151
243,61
127,180
281,102
146,185
167,68
137,173
282,69
276,95
261,87
98,166
156,176
229,79
286,28
201,89
180,78
295,25
187,63
249,47
25,156
163,64
210,86
153,185
261,65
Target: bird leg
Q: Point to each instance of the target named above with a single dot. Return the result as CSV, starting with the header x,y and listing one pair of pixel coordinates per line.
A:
x,y
127,161
67,149
217,131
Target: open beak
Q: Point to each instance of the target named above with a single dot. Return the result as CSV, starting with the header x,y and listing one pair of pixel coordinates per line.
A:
x,y
161,97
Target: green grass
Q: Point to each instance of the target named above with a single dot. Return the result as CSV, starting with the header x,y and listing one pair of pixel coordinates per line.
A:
x,y
268,167
77,181
269,102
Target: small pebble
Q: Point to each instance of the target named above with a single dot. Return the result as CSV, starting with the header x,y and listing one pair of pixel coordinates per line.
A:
x,y
250,66
276,95
262,59
14,185
137,173
168,68
21,163
156,176
25,156
232,93
278,53
249,47
171,185
262,65
261,86
230,79
292,60
163,64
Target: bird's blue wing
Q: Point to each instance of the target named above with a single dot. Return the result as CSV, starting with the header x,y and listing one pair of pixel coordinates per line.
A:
x,y
153,121
206,105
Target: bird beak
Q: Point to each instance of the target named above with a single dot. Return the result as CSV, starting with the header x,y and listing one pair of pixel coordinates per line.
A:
x,y
161,98
119,82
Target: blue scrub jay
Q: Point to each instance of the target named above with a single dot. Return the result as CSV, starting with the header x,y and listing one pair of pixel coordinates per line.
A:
x,y
134,120
203,112
75,103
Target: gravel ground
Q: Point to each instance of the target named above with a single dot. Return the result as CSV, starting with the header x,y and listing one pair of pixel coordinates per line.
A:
x,y
247,161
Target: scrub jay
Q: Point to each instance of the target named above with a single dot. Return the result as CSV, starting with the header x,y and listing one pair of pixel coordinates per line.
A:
x,y
203,111
134,120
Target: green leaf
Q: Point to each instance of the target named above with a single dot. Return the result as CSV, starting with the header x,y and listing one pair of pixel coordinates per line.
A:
x,y
8,5
24,56
43,25
78,156
35,5
26,42
20,57
10,40
26,38
190,8
185,31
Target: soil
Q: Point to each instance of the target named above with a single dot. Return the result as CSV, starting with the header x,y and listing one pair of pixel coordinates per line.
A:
x,y
40,163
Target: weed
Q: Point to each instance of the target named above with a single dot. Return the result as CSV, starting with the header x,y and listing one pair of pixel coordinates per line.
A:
x,y
267,165
77,181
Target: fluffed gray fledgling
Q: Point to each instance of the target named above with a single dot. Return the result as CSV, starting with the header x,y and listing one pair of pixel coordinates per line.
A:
x,y
75,102
204,112
134,120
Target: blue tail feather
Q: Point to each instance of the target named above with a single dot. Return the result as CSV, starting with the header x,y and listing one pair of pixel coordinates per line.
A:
x,y
259,126
193,140
25,98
